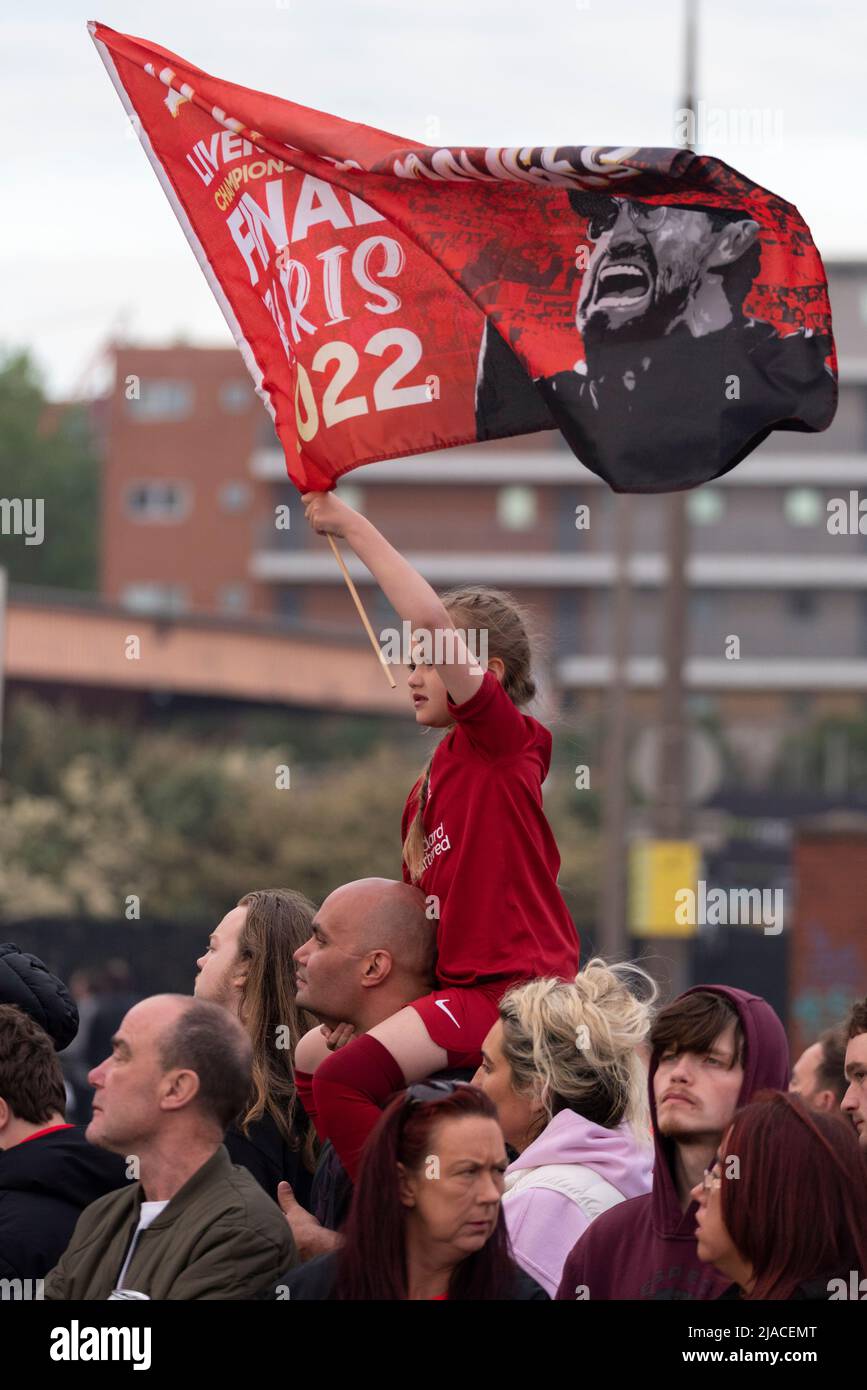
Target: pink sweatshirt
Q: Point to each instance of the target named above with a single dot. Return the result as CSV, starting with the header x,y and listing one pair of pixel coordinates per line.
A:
x,y
544,1223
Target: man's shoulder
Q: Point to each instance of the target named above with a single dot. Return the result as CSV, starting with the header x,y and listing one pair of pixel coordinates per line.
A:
x,y
234,1196
109,1211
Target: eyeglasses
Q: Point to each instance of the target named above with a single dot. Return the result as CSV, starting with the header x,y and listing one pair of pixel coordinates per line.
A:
x,y
423,1092
643,215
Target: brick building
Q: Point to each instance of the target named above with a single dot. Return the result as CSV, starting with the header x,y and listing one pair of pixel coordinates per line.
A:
x,y
179,505
828,950
193,475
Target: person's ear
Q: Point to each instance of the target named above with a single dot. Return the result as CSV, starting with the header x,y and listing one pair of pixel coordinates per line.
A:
x,y
178,1089
405,1189
733,241
825,1101
5,1113
497,668
377,967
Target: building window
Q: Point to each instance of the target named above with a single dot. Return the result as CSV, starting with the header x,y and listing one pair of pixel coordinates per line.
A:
x,y
702,706
516,508
803,506
161,400
351,494
288,601
234,497
235,397
233,598
802,604
703,607
801,705
705,506
567,611
155,598
382,615
158,501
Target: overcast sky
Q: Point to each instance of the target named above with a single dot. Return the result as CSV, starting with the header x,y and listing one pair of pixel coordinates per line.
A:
x,y
88,242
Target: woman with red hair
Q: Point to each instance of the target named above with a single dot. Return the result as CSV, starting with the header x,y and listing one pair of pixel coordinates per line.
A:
x,y
751,1224
426,1221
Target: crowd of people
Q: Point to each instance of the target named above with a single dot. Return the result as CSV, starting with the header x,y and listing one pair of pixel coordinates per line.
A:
x,y
415,1091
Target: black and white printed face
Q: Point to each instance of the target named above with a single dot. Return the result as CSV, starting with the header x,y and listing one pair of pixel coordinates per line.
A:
x,y
647,263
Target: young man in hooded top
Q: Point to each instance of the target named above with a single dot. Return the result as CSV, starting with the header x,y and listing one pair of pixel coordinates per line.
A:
x,y
713,1048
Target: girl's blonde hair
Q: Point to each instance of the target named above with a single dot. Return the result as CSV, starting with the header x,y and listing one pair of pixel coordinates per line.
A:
x,y
505,622
576,1045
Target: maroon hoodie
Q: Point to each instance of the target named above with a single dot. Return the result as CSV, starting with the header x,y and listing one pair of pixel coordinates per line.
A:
x,y
646,1247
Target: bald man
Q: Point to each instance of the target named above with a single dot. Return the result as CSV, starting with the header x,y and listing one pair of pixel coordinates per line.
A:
x,y
371,951
193,1226
818,1076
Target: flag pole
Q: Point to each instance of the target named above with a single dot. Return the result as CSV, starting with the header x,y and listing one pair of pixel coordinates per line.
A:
x,y
670,810
361,613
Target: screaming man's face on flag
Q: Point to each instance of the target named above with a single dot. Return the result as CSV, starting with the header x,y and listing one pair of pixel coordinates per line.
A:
x,y
649,262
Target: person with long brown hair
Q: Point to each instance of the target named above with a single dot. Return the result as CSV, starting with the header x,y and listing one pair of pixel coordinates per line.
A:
x,y
751,1222
249,969
475,836
426,1220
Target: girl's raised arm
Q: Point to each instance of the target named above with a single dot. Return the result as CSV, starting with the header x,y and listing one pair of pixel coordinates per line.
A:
x,y
408,593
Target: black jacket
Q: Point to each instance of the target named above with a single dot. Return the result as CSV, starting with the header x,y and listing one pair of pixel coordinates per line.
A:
x,y
45,1184
816,1290
314,1282
265,1154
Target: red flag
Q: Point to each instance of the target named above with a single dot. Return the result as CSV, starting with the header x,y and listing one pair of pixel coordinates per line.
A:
x,y
656,306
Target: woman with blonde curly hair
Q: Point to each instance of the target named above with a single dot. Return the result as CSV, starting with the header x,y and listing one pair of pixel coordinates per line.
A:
x,y
564,1065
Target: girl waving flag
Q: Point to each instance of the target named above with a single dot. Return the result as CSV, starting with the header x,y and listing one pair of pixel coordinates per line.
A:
x,y
475,840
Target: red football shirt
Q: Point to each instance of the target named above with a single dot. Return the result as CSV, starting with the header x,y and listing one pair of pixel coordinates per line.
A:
x,y
490,856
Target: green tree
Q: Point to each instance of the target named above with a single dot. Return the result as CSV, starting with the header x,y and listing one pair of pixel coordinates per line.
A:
x,y
49,455
93,810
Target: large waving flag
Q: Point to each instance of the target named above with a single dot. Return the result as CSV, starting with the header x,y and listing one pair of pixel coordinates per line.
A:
x,y
655,306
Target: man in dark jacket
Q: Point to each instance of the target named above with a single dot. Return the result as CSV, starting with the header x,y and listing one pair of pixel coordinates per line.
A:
x,y
48,1171
713,1048
193,1226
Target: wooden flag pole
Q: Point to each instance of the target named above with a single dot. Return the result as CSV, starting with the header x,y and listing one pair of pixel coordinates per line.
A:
x,y
361,613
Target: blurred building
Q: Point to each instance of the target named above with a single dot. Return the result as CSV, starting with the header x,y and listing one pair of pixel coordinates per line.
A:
x,y
194,476
180,504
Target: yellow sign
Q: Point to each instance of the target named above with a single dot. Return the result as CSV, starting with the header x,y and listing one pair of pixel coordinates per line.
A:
x,y
662,875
